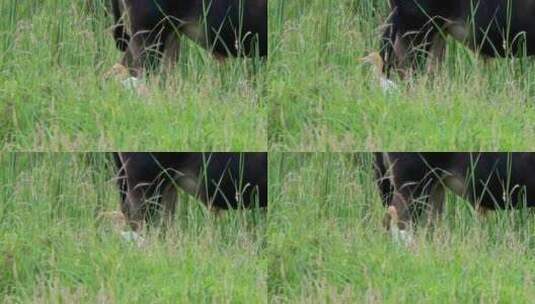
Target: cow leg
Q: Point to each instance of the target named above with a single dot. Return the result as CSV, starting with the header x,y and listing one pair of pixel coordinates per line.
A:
x,y
436,53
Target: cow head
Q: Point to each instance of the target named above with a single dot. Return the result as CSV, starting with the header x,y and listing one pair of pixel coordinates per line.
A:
x,y
413,33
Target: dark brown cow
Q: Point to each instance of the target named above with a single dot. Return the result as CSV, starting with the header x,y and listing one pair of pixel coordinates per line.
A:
x,y
418,28
149,182
414,182
223,27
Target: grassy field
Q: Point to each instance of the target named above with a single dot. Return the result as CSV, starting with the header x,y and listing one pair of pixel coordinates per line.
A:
x,y
60,242
323,99
53,96
327,244
323,242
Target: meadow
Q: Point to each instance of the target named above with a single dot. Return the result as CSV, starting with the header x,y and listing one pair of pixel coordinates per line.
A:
x,y
54,95
322,98
60,241
327,243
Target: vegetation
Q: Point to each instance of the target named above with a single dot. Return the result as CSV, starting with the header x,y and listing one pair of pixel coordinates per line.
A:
x,y
322,242
60,241
327,243
54,95
322,98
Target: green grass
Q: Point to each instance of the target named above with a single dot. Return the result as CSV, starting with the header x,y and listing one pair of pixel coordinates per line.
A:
x,y
53,95
327,244
323,99
59,242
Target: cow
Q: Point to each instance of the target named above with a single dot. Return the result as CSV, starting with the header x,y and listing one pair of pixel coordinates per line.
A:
x,y
148,182
148,31
417,29
411,183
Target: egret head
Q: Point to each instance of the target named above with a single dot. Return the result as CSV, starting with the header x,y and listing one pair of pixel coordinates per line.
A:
x,y
375,60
